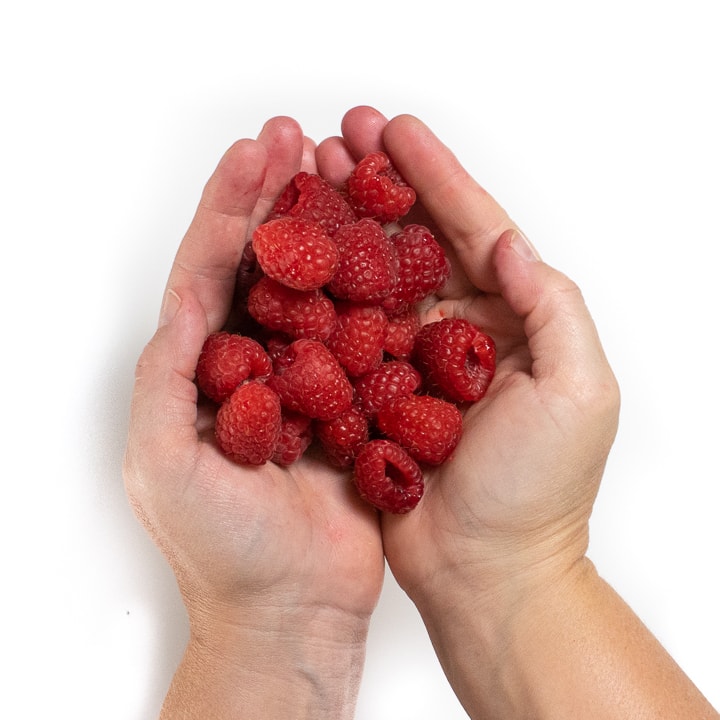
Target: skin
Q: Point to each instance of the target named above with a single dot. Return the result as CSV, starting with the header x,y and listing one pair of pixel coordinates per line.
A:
x,y
280,569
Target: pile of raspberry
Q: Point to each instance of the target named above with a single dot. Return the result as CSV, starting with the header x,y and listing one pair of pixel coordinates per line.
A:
x,y
327,348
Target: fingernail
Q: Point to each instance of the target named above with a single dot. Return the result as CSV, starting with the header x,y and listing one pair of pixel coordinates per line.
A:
x,y
170,306
523,247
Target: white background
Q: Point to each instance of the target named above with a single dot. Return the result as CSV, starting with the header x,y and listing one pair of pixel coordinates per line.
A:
x,y
595,124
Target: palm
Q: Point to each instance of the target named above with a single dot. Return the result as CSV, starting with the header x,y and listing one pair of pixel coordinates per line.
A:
x,y
487,492
302,528
484,468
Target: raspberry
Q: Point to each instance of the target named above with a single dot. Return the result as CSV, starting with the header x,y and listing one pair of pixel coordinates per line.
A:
x,y
456,359
327,346
295,438
227,360
390,379
247,425
387,477
342,437
358,339
311,197
428,428
377,190
367,264
423,267
295,252
249,272
401,332
310,381
298,313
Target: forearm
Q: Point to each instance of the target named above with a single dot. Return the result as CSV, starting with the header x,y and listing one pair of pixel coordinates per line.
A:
x,y
269,673
575,650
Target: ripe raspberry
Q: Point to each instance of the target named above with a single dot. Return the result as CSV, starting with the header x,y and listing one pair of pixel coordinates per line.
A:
x,y
310,381
456,359
295,252
247,425
342,437
367,264
295,438
389,380
227,360
248,273
387,477
401,332
377,190
275,343
329,342
297,313
311,197
358,339
428,428
423,267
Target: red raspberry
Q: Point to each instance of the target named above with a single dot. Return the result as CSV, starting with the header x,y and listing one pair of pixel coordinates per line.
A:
x,y
428,428
295,252
401,332
310,381
275,343
423,267
390,379
367,264
456,359
358,339
342,437
311,197
377,190
297,313
387,477
331,346
295,438
247,425
227,360
248,273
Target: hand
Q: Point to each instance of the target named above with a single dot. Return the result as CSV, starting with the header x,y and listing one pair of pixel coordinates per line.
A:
x,y
494,554
518,492
288,561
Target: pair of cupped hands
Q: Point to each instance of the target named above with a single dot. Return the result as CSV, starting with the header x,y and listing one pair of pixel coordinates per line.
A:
x,y
512,505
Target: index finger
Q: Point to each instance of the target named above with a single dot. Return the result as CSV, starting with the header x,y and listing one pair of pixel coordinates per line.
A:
x,y
243,186
470,219
210,252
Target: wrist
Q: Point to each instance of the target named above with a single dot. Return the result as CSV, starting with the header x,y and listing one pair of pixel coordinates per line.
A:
x,y
481,625
569,648
495,576
269,662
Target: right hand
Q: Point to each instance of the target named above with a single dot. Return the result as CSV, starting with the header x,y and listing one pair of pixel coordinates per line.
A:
x,y
494,554
512,505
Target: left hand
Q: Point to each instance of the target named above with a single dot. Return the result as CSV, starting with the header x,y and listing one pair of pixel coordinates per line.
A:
x,y
290,553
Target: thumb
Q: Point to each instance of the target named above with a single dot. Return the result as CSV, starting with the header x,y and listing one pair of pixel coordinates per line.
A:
x,y
164,403
562,338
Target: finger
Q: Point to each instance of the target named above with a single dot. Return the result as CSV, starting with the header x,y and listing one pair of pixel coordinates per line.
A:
x,y
309,162
334,160
468,217
362,129
562,338
209,255
164,402
283,139
238,195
